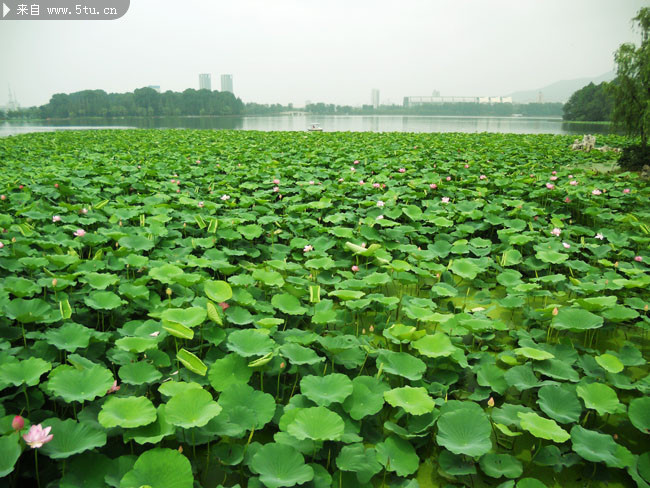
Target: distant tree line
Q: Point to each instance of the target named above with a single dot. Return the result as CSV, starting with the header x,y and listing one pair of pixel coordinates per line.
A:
x,y
141,102
472,109
591,103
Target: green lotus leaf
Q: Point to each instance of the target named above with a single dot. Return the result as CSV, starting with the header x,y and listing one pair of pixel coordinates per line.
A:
x,y
415,401
521,377
532,353
269,278
550,256
218,291
318,424
576,319
250,342
139,373
454,464
192,362
619,313
103,300
320,263
154,432
20,287
298,354
376,279
159,468
10,449
498,465
137,344
596,447
397,455
280,465
559,403
464,432
251,231
530,483
26,372
100,281
229,370
509,278
465,268
69,337
172,388
71,437
328,389
367,397
288,304
401,364
511,257
639,414
346,294
609,363
73,384
191,408
167,273
435,346
600,397
127,412
188,317
262,405
136,242
28,311
358,459
542,428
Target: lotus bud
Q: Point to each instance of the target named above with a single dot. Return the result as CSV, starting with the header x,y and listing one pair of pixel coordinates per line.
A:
x,y
363,331
54,282
371,328
555,311
490,402
168,291
18,423
180,449
282,365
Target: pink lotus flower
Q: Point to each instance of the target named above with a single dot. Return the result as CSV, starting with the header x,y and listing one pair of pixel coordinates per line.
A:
x,y
3,197
380,203
466,166
361,182
433,186
448,178
198,161
276,189
600,236
567,199
356,161
573,182
627,190
1,245
550,186
113,388
556,231
554,172
570,176
352,169
311,182
566,246
379,217
201,204
482,177
276,181
79,232
638,259
18,423
445,199
376,185
553,178
56,185
355,268
596,192
225,197
402,170
307,248
84,210
56,218
37,436
224,306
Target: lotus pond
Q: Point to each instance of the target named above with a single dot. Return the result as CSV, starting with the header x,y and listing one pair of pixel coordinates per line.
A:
x,y
190,308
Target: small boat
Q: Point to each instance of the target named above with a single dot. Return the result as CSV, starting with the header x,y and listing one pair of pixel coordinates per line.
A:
x,y
315,128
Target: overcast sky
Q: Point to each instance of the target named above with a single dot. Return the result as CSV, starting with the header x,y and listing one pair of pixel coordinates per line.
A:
x,y
335,51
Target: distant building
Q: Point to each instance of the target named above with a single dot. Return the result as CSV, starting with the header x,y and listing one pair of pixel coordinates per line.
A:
x,y
226,83
435,93
155,87
205,81
417,101
374,97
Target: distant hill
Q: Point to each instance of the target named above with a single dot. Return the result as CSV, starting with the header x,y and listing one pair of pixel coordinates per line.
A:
x,y
560,91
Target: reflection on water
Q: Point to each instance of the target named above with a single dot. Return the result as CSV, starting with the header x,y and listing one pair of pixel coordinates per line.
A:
x,y
373,123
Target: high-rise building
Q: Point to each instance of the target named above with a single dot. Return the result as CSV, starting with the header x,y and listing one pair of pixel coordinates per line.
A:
x,y
205,81
226,83
374,96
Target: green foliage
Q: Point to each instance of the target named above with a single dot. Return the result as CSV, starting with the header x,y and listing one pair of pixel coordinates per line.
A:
x,y
591,103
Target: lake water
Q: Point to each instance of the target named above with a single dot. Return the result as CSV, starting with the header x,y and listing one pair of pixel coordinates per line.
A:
x,y
355,123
